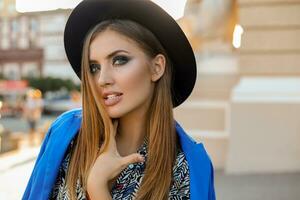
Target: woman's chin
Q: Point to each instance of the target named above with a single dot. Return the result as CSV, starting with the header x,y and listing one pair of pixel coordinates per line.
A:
x,y
115,114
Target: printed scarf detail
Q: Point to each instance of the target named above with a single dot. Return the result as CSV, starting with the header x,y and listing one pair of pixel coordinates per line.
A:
x,y
129,180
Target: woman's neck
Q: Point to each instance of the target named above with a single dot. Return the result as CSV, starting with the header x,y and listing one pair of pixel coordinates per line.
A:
x,y
131,134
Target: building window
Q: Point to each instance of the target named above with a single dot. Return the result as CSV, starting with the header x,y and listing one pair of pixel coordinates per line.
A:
x,y
15,26
33,25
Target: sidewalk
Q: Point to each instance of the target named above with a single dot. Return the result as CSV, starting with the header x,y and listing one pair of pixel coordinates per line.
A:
x,y
267,186
15,169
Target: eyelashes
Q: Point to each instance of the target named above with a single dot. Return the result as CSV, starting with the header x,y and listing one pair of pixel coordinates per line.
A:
x,y
116,61
94,67
120,60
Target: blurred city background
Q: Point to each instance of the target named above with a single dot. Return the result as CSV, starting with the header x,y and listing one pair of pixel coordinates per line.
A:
x,y
245,106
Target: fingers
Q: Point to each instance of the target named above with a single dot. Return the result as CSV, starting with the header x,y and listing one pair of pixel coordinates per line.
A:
x,y
133,158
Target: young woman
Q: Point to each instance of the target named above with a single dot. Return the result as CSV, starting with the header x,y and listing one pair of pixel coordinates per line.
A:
x,y
136,65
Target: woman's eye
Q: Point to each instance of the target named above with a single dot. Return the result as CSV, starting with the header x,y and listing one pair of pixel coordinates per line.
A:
x,y
94,67
120,60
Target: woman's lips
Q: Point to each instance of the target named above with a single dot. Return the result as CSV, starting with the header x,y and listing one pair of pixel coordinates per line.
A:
x,y
113,101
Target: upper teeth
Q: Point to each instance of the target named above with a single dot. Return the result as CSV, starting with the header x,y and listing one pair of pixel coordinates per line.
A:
x,y
112,96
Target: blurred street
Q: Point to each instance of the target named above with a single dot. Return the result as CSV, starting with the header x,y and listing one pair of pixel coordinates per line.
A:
x,y
16,165
21,125
15,171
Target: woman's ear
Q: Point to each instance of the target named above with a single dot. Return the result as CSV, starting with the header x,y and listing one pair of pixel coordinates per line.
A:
x,y
158,67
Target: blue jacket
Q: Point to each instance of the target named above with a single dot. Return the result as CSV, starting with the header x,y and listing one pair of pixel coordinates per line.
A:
x,y
66,126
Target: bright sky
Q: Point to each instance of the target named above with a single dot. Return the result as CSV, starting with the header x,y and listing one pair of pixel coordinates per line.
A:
x,y
174,9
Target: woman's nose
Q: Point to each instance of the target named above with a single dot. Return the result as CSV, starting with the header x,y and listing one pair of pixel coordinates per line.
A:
x,y
105,77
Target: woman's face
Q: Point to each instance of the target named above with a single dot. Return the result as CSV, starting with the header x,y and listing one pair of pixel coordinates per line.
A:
x,y
120,70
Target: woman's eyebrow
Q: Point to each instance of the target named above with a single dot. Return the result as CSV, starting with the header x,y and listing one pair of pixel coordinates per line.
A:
x,y
112,54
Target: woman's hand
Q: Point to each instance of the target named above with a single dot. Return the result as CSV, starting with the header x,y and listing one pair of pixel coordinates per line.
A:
x,y
109,163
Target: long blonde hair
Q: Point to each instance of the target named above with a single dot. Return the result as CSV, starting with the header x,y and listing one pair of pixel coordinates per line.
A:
x,y
160,127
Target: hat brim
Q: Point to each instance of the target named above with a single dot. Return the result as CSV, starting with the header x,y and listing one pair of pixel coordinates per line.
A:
x,y
88,13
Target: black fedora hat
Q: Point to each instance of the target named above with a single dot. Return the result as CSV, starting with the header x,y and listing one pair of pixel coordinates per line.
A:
x,y
88,13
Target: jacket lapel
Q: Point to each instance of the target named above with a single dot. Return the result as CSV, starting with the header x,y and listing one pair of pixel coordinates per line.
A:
x,y
57,148
199,165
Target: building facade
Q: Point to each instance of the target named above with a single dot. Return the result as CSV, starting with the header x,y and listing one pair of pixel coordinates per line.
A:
x,y
31,43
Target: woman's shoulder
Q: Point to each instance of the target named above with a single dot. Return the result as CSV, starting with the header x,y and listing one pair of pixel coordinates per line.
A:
x,y
67,121
75,112
61,132
195,152
66,116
